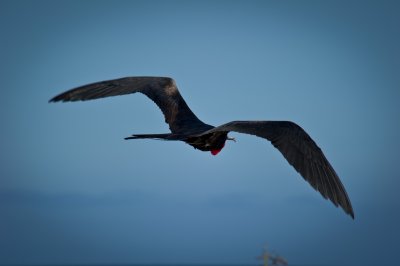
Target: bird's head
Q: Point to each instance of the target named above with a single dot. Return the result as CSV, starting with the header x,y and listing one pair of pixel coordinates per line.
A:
x,y
218,149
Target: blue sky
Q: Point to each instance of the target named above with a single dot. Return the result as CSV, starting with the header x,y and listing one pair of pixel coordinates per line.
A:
x,y
73,191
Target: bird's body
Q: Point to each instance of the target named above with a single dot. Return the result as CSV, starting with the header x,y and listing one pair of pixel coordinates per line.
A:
x,y
213,142
290,139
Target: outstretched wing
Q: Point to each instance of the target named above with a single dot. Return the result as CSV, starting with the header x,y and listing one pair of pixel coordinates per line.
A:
x,y
301,152
162,90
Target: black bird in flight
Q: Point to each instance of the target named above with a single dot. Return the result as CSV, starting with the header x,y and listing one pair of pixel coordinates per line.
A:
x,y
290,139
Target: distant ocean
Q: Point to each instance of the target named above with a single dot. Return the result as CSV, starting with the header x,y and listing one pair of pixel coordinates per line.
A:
x,y
175,264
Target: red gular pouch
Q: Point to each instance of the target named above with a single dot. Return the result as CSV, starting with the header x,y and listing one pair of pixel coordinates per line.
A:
x,y
215,152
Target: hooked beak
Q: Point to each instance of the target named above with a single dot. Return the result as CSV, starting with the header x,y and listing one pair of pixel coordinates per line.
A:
x,y
229,138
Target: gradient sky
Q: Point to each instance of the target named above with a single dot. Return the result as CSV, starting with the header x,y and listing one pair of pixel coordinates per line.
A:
x,y
73,191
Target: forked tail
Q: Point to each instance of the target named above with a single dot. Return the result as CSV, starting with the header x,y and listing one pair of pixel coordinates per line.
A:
x,y
150,136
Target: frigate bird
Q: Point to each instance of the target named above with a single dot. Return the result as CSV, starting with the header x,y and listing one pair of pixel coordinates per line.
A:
x,y
290,139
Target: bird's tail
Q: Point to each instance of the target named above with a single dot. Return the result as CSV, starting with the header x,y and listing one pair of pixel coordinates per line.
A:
x,y
150,136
